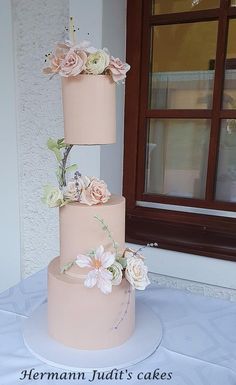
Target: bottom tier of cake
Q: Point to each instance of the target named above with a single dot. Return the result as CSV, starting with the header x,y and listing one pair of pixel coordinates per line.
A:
x,y
85,318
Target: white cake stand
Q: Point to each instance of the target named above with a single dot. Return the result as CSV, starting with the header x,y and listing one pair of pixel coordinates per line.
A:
x,y
144,341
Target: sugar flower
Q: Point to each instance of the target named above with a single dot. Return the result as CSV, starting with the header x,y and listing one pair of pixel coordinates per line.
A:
x,y
97,62
82,181
98,264
136,273
71,192
128,253
73,63
96,192
86,46
118,69
55,65
69,59
56,58
116,270
52,196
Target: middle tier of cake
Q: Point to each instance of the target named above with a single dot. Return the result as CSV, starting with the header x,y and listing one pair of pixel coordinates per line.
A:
x,y
82,229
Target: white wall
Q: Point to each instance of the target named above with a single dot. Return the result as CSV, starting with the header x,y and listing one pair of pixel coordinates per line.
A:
x,y
88,18
9,197
114,38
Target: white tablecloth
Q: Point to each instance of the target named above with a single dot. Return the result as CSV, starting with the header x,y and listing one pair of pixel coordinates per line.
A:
x,y
198,346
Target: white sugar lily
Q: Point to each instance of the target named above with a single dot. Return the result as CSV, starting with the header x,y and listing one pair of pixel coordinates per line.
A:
x,y
98,263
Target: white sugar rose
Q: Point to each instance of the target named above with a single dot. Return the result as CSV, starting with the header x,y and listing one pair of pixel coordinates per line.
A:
x,y
75,186
73,63
97,62
82,182
128,253
85,46
85,198
71,191
116,270
52,196
96,192
136,273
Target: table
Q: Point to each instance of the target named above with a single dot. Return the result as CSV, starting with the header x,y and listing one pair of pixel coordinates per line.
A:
x,y
198,346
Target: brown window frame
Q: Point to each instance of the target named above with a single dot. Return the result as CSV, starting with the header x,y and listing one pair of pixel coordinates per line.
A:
x,y
207,235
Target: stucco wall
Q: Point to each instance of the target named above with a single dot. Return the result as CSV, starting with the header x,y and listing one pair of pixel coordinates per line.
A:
x,y
38,24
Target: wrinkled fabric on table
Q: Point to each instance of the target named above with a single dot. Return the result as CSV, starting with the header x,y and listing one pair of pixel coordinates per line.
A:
x,y
198,345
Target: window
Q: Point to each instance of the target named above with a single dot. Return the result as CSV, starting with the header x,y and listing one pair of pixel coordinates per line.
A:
x,y
180,125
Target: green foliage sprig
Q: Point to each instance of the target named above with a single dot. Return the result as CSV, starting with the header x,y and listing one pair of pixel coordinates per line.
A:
x,y
109,234
61,151
67,266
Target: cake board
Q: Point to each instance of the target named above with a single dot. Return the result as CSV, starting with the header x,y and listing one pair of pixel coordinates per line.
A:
x,y
144,342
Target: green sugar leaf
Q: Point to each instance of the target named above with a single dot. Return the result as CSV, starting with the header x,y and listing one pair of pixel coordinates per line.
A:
x,y
67,266
51,144
71,168
61,143
57,154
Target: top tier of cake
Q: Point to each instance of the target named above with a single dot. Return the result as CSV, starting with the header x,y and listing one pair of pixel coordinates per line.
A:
x,y
89,109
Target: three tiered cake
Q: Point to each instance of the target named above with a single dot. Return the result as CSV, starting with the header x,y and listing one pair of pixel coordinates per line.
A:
x,y
91,286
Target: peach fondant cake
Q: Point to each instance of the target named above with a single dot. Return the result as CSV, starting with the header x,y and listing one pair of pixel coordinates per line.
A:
x,y
91,285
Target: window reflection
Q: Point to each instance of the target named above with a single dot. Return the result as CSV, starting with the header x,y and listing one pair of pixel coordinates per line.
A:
x,y
172,6
226,173
177,155
229,97
182,55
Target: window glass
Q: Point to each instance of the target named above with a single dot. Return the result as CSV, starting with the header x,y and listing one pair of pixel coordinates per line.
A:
x,y
173,6
177,157
226,173
229,97
181,73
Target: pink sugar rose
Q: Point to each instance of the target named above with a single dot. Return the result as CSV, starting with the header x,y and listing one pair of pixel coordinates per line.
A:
x,y
96,192
62,49
57,58
118,69
55,65
73,63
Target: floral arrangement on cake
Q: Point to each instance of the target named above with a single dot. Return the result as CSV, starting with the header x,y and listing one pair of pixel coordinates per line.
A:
x,y
80,188
70,58
108,269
